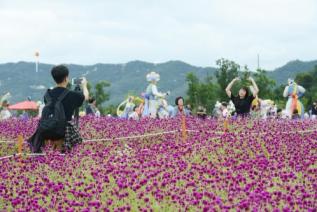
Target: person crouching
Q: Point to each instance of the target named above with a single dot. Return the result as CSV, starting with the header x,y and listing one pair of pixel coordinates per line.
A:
x,y
55,127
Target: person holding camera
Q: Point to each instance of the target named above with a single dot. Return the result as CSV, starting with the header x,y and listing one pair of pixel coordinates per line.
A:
x,y
243,100
55,126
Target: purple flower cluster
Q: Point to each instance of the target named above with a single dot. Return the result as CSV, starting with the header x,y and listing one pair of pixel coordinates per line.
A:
x,y
257,165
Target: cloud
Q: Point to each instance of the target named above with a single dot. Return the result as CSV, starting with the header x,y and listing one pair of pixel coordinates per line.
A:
x,y
198,32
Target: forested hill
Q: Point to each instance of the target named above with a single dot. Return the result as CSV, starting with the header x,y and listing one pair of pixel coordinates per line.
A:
x,y
22,81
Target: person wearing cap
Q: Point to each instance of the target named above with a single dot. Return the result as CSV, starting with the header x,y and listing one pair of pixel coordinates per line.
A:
x,y
152,95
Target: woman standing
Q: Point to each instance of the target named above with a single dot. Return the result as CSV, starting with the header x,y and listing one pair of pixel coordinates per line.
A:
x,y
243,100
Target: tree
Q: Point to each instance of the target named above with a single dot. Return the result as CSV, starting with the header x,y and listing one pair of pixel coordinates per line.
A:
x,y
306,79
226,72
193,87
244,76
111,109
100,94
266,85
201,93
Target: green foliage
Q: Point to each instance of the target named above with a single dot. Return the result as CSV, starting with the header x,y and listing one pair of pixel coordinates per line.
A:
x,y
111,109
265,84
226,72
307,79
193,88
244,82
245,74
201,93
100,94
277,96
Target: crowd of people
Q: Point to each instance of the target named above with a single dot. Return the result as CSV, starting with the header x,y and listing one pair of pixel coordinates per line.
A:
x,y
246,103
56,116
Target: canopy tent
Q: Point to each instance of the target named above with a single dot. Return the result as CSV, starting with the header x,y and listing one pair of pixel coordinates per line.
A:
x,y
26,105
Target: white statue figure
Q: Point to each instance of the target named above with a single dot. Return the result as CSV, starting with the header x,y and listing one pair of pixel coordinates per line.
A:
x,y
294,92
152,96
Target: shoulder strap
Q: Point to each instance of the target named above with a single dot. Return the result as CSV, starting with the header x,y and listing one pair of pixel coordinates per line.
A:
x,y
47,96
62,96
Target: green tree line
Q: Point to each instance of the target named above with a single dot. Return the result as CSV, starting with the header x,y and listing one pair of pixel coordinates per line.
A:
x,y
205,92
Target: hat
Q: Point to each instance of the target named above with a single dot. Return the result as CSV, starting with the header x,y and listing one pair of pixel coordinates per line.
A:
x,y
290,81
153,76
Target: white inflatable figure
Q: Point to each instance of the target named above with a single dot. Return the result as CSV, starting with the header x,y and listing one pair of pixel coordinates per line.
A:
x,y
231,108
222,110
294,92
152,96
129,105
306,116
217,113
164,110
284,114
134,116
265,107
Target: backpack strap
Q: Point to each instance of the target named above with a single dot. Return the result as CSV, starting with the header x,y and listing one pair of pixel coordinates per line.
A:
x,y
63,95
48,98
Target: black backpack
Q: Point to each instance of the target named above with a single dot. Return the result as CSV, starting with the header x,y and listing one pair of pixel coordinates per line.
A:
x,y
53,122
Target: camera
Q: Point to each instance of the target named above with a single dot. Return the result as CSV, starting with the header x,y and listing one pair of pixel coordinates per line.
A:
x,y
77,81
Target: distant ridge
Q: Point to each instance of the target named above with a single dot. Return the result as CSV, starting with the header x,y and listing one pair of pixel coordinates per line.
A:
x,y
22,81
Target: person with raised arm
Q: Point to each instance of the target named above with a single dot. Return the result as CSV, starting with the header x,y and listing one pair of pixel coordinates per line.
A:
x,y
243,100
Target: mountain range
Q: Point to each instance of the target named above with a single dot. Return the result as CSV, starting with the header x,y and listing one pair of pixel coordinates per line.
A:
x,y
22,81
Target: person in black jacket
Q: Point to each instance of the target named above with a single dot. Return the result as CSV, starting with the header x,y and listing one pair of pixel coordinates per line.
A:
x,y
72,100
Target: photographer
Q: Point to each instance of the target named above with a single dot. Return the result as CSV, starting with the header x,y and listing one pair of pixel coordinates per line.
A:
x,y
55,126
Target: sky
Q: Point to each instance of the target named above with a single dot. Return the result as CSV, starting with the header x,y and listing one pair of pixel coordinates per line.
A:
x,y
195,31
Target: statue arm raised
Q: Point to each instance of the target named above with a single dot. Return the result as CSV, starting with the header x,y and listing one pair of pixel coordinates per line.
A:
x,y
301,89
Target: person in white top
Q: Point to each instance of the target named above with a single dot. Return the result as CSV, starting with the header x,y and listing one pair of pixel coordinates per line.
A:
x,y
5,113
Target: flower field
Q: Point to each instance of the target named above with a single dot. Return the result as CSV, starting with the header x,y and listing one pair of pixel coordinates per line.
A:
x,y
258,165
